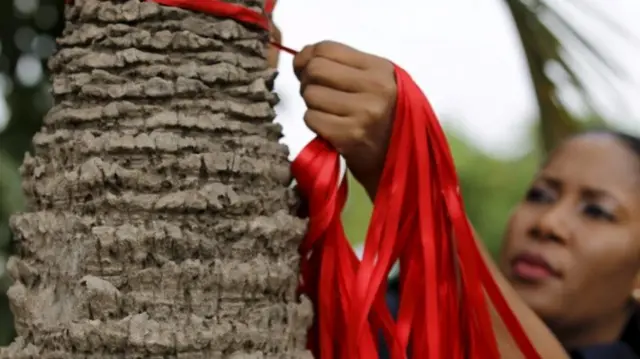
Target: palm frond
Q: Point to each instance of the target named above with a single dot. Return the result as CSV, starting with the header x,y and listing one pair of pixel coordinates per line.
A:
x,y
551,40
588,9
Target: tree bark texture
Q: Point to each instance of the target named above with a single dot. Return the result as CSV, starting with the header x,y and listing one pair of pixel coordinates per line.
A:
x,y
160,223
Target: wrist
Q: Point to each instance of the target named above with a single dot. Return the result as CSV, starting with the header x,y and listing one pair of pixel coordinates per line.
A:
x,y
370,185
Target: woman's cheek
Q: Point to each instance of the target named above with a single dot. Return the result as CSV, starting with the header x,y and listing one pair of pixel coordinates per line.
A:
x,y
517,228
510,241
610,252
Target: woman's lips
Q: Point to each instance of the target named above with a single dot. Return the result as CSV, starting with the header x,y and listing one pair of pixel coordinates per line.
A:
x,y
532,268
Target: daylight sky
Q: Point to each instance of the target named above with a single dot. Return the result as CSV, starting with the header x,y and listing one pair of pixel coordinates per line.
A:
x,y
463,53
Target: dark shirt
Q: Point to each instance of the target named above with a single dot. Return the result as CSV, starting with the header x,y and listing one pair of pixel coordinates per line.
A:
x,y
628,347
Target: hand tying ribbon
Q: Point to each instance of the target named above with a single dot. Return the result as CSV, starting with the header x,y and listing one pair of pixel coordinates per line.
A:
x,y
418,220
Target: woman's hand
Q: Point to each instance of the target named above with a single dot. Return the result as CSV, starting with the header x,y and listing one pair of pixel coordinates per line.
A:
x,y
350,97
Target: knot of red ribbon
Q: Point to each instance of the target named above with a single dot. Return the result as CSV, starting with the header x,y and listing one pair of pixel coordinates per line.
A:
x,y
418,220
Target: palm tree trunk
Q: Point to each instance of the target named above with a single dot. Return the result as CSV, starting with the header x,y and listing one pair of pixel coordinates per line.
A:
x,y
159,220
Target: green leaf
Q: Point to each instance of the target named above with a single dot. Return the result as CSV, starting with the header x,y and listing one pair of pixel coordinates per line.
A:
x,y
11,198
549,37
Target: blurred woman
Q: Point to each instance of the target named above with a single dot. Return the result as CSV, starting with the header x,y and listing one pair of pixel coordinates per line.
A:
x,y
572,246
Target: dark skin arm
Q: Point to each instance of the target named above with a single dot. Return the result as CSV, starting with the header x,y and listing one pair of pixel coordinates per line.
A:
x,y
543,340
350,98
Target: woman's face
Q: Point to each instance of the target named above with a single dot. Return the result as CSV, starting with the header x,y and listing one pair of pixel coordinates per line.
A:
x,y
572,247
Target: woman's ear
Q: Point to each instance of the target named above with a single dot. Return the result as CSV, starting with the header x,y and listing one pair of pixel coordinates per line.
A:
x,y
636,288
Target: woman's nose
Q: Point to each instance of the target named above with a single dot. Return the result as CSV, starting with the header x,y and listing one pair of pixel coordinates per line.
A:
x,y
551,225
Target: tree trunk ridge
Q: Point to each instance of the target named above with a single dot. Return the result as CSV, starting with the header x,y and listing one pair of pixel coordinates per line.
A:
x,y
160,223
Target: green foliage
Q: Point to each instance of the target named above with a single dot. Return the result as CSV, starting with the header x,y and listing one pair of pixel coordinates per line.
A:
x,y
357,212
27,32
11,189
11,201
491,187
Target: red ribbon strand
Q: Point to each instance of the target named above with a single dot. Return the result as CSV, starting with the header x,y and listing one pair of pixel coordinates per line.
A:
x,y
418,220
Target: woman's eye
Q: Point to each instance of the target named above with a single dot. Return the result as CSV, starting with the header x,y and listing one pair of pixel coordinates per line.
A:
x,y
538,195
597,212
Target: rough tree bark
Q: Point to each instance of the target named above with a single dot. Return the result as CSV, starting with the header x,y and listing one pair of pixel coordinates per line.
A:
x,y
160,223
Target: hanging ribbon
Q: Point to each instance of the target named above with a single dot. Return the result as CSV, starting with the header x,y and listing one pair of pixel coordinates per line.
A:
x,y
418,220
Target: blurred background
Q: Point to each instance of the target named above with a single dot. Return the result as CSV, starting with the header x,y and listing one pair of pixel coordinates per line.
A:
x,y
508,78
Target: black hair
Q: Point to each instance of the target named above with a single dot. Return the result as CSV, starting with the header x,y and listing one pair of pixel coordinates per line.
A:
x,y
631,141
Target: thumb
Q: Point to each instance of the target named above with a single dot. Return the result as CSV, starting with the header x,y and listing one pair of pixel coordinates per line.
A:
x,y
301,60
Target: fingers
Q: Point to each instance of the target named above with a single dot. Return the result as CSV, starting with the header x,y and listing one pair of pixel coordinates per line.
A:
x,y
343,54
335,52
334,75
328,126
301,60
328,100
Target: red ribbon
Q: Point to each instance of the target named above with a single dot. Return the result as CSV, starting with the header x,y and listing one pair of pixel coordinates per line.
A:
x,y
418,219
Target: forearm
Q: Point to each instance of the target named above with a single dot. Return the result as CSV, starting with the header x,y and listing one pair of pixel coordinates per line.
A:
x,y
543,340
371,187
